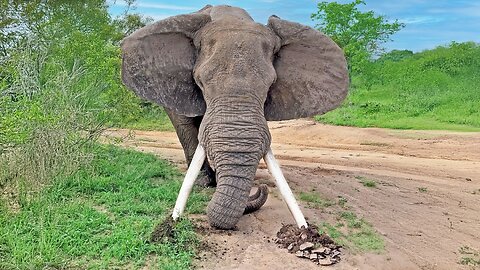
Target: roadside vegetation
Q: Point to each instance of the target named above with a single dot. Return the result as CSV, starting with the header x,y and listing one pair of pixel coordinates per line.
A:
x,y
65,200
433,89
101,217
60,87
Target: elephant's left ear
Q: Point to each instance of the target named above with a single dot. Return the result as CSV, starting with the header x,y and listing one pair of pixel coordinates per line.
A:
x,y
312,76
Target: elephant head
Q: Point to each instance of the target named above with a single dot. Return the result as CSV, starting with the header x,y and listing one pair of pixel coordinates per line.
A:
x,y
238,74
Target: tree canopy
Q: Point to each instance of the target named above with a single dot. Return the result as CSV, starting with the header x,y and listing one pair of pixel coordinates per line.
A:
x,y
359,34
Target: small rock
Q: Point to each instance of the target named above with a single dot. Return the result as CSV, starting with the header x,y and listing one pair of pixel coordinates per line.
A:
x,y
303,236
335,260
306,254
335,253
313,256
327,251
306,245
319,250
299,254
290,247
325,262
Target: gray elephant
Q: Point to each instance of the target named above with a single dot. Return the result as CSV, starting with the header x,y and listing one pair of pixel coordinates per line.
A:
x,y
221,77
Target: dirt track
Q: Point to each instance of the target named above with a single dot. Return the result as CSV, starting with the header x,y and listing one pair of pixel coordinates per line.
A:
x,y
426,204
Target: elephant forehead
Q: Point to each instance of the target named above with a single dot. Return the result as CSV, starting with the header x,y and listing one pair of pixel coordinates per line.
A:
x,y
232,28
224,11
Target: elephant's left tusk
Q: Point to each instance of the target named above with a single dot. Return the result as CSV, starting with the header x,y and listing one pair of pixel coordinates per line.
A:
x,y
187,185
284,188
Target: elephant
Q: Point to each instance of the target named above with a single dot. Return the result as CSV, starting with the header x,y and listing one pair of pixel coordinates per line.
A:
x,y
220,77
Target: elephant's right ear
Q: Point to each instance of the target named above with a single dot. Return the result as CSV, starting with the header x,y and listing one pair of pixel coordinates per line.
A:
x,y
158,61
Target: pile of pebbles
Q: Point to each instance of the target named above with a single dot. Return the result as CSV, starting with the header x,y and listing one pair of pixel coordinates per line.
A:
x,y
309,244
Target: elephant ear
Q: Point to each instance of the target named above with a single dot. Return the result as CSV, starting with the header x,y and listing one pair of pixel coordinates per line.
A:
x,y
158,61
312,76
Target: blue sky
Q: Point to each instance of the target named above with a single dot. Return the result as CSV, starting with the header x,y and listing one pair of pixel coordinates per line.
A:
x,y
429,23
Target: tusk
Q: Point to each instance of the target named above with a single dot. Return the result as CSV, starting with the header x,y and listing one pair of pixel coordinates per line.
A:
x,y
187,185
285,190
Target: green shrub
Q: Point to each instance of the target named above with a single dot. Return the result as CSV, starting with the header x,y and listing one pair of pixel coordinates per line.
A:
x,y
50,117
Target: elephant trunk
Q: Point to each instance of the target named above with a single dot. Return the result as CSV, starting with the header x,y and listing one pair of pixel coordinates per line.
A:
x,y
235,135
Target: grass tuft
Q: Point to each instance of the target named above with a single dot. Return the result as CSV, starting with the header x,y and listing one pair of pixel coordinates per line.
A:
x,y
469,257
315,200
367,182
354,233
422,189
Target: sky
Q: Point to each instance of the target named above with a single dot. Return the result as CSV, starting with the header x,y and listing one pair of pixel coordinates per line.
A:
x,y
429,23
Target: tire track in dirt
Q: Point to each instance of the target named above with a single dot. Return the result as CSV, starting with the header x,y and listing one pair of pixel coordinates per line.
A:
x,y
426,204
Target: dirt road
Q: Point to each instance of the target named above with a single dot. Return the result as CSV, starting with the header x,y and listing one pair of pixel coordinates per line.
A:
x,y
425,204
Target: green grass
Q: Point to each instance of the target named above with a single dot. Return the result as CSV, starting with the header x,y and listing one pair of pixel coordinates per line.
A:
x,y
151,117
469,257
431,90
315,200
101,218
354,233
349,230
367,182
159,124
422,189
342,202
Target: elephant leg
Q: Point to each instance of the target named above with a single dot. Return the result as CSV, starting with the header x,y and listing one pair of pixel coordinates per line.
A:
x,y
187,133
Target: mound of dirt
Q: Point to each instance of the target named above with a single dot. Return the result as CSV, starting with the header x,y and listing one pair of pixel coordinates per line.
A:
x,y
307,243
163,231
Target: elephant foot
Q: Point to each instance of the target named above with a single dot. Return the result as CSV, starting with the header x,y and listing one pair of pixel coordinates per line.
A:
x,y
205,180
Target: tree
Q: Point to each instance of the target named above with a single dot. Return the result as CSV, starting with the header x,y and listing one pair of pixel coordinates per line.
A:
x,y
128,23
395,56
359,34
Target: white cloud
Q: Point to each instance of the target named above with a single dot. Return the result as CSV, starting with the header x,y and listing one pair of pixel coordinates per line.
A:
x,y
420,20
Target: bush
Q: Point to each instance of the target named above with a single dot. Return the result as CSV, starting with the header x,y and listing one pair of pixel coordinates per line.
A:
x,y
49,117
59,86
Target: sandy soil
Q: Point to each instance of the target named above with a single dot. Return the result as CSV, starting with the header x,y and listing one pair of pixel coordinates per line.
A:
x,y
422,230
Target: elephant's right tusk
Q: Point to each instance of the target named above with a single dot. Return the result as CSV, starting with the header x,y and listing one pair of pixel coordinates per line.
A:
x,y
284,188
187,185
